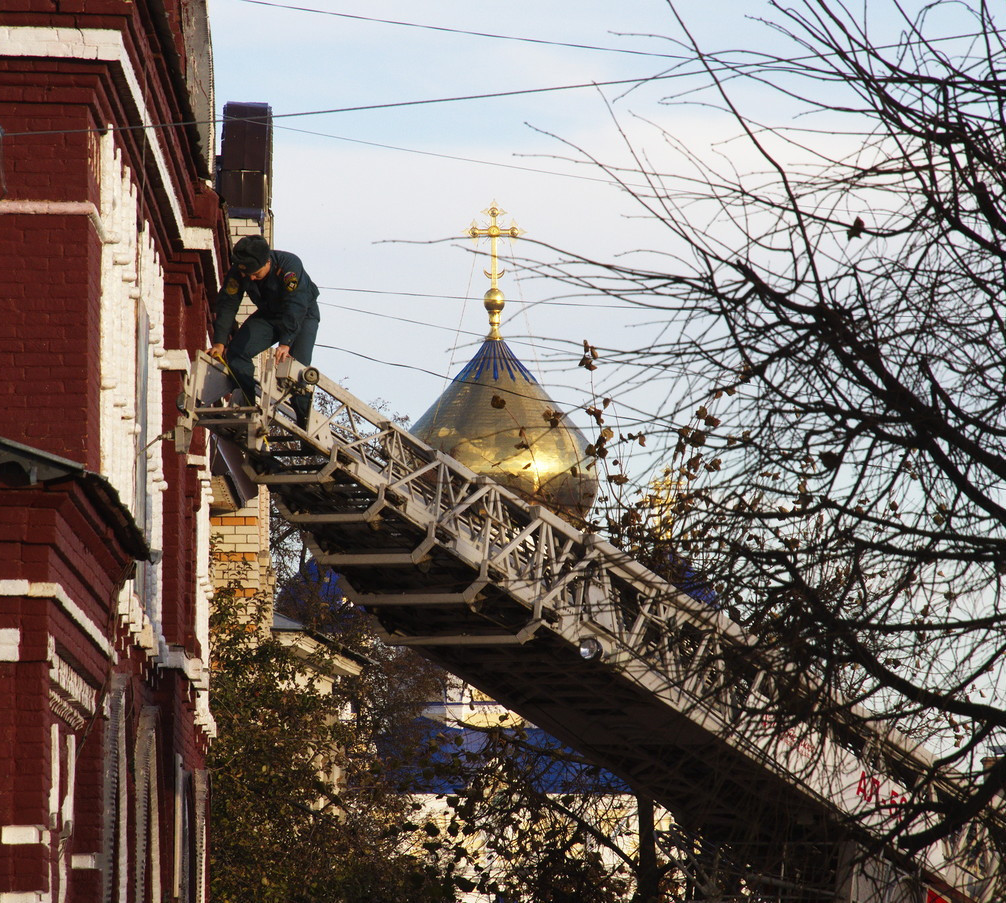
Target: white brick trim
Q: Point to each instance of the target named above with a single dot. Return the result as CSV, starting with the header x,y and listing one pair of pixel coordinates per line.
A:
x,y
56,592
177,658
19,835
175,359
10,644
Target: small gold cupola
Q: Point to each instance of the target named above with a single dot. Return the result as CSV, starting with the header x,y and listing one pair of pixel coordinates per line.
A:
x,y
496,418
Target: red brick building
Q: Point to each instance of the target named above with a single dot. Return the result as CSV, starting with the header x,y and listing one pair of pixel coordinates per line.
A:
x,y
111,238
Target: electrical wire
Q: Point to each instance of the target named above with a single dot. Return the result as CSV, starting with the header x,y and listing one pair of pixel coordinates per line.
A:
x,y
417,369
732,70
398,319
383,363
516,92
358,108
641,417
550,302
560,346
461,31
686,56
481,162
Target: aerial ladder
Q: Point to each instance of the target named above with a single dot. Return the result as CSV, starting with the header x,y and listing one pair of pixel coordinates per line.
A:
x,y
613,660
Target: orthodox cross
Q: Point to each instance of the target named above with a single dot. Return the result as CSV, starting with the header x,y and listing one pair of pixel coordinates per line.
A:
x,y
494,297
494,233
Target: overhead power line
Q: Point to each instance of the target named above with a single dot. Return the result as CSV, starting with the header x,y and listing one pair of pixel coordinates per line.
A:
x,y
517,92
461,31
630,415
685,55
371,106
732,70
455,157
550,302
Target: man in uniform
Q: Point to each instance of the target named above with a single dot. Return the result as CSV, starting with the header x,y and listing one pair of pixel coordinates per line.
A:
x,y
286,314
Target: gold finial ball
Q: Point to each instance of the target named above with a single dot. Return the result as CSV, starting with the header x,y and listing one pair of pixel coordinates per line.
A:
x,y
494,300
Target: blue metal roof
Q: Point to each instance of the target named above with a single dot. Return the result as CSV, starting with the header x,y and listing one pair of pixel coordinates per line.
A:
x,y
496,358
451,753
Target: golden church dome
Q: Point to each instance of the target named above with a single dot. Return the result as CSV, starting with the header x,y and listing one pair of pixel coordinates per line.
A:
x,y
496,418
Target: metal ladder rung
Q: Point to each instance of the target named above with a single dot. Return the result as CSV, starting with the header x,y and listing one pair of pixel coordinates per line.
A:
x,y
413,599
381,559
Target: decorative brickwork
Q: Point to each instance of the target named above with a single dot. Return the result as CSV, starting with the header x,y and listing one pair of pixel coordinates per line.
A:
x,y
112,244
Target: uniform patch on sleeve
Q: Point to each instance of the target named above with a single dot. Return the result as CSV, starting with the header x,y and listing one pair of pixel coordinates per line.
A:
x,y
232,287
290,281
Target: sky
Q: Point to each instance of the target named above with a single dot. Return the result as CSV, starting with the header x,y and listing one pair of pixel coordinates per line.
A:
x,y
376,202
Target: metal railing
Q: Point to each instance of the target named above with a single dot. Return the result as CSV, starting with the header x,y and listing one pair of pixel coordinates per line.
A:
x,y
668,692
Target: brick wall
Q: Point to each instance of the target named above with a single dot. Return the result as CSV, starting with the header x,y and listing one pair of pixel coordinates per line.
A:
x,y
112,245
48,369
241,549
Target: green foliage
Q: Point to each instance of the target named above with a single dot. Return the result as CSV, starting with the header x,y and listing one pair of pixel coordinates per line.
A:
x,y
280,830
